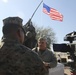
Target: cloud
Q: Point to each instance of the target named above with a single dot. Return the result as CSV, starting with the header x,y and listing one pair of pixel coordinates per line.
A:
x,y
5,1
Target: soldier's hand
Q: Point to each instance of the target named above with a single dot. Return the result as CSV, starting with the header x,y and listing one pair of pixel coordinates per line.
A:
x,y
46,64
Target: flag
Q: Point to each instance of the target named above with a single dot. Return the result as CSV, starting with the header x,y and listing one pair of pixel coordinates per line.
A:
x,y
53,13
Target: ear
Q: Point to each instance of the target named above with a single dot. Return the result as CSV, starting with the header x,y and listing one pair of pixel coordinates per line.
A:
x,y
19,33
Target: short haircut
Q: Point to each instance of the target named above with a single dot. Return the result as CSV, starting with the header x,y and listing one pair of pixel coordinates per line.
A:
x,y
42,38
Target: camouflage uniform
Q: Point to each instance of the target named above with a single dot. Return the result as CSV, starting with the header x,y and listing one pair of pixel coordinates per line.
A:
x,y
17,59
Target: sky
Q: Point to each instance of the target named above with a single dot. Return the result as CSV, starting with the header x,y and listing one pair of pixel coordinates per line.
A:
x,y
25,9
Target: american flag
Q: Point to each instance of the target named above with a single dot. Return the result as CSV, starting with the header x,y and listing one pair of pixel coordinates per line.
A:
x,y
53,13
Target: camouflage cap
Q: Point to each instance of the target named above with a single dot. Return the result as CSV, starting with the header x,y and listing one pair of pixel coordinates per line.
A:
x,y
13,20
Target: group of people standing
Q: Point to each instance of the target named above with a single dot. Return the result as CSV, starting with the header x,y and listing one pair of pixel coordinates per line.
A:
x,y
16,58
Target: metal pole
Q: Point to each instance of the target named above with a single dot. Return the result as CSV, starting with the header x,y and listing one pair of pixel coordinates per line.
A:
x,y
36,10
29,21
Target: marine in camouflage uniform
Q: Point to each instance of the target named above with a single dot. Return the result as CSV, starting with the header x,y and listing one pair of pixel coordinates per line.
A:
x,y
15,58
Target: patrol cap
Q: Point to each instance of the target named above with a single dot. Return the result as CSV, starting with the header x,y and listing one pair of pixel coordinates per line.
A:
x,y
13,20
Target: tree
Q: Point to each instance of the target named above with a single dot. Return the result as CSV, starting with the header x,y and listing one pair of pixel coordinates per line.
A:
x,y
33,33
48,33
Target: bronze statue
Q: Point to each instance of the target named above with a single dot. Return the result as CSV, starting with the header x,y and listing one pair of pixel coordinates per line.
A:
x,y
30,35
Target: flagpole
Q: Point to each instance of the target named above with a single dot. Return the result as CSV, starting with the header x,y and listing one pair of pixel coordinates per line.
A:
x,y
29,21
36,10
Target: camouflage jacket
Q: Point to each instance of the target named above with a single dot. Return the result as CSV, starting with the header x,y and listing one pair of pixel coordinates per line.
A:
x,y
17,59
